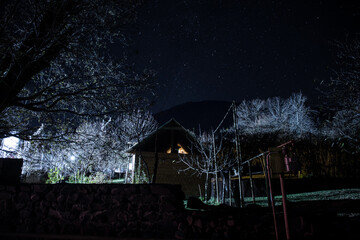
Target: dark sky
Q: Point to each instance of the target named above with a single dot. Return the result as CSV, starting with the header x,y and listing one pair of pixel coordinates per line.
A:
x,y
235,50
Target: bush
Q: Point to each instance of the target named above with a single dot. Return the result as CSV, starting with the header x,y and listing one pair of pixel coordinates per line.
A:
x,y
54,176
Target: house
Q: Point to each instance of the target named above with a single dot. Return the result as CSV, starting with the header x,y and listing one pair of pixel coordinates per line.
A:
x,y
160,153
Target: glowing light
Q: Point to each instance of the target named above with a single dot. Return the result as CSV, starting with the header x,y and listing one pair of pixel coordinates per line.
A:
x,y
182,150
10,143
72,158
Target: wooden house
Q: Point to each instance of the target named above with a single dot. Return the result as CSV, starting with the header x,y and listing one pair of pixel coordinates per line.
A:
x,y
160,153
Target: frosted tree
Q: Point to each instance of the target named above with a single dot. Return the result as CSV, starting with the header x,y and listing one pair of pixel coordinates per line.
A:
x,y
132,128
343,88
135,125
299,116
344,129
97,146
251,116
343,93
207,158
275,115
278,111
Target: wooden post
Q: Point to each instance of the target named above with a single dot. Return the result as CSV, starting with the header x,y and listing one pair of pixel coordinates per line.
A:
x,y
127,170
251,184
267,180
216,177
230,200
156,160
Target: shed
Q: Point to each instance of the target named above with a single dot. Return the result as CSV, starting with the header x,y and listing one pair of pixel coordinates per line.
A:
x,y
160,152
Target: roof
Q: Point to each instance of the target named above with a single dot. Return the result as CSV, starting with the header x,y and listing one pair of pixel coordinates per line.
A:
x,y
167,136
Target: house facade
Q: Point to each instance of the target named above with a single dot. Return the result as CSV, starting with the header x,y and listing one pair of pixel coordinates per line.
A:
x,y
157,157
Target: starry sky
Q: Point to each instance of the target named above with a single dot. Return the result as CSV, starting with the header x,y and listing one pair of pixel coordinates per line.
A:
x,y
234,50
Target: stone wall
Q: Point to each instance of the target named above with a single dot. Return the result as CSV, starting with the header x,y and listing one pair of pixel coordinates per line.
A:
x,y
113,211
104,210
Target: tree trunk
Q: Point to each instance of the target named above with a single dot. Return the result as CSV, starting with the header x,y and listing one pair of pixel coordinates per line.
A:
x,y
206,186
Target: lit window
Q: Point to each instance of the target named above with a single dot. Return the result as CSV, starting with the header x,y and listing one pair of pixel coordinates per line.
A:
x,y
181,150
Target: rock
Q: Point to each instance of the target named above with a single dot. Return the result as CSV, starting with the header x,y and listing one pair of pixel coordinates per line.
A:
x,y
85,216
61,198
34,197
198,223
78,207
54,213
100,216
189,220
230,222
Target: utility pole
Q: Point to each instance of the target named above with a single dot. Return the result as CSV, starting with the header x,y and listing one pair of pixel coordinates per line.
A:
x,y
238,155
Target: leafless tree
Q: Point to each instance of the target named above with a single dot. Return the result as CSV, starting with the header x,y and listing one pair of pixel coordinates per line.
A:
x,y
343,94
275,115
343,88
56,67
98,146
207,158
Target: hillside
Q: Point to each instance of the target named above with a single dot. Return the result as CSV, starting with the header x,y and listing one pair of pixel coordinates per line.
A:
x,y
206,114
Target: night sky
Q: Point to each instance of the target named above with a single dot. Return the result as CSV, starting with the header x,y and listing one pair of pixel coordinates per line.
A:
x,y
235,50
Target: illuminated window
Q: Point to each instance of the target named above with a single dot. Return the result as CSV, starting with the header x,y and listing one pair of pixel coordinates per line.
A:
x,y
181,150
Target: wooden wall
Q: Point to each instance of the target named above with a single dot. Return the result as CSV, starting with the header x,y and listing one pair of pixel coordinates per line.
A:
x,y
170,172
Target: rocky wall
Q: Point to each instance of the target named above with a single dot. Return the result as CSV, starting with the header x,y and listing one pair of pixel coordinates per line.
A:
x,y
91,210
113,211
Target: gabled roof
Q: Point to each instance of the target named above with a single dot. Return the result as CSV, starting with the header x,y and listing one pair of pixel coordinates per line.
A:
x,y
169,135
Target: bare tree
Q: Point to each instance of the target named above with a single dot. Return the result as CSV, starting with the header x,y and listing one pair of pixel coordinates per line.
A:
x,y
275,115
300,122
343,88
133,127
97,146
202,158
343,94
56,67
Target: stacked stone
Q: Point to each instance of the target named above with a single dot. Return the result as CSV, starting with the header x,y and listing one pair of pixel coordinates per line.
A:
x,y
157,211
104,210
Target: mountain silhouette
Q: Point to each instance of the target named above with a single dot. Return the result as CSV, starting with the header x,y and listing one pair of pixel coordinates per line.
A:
x,y
206,114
